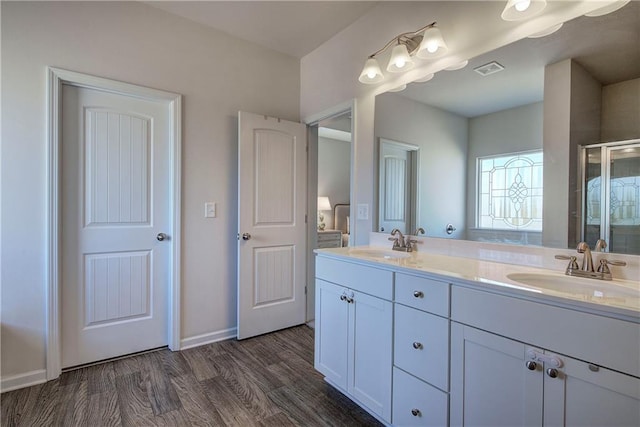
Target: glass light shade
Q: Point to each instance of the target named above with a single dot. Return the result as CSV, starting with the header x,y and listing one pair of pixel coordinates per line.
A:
x,y
398,89
432,44
323,203
516,10
425,78
371,73
546,32
615,5
400,59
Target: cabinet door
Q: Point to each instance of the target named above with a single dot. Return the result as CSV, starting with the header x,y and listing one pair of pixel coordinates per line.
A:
x,y
584,394
490,383
370,353
331,335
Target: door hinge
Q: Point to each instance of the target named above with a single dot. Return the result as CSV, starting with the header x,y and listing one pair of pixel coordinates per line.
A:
x,y
305,218
305,290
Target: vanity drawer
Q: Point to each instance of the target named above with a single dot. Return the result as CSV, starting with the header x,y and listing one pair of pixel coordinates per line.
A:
x,y
368,280
421,345
416,403
422,293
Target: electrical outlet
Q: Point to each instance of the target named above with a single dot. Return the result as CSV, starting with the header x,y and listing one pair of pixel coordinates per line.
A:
x,y
210,210
363,211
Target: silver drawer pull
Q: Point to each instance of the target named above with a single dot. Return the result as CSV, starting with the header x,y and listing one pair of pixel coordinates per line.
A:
x,y
418,294
417,345
415,412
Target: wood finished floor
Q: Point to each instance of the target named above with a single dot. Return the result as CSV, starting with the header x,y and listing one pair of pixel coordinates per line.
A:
x,y
263,381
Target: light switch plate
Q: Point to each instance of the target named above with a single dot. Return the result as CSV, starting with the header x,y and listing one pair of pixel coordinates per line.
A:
x,y
210,210
363,211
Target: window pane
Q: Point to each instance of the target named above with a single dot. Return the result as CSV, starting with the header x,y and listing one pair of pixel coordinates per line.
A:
x,y
510,191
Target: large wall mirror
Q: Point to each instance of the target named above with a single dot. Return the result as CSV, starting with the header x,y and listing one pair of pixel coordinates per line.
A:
x,y
512,147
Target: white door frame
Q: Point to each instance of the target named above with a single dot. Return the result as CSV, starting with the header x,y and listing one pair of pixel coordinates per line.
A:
x,y
55,79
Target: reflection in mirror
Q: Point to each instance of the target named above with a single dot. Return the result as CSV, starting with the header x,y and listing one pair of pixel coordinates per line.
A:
x,y
499,140
334,177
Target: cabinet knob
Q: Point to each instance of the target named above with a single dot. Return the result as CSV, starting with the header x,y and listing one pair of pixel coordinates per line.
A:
x,y
343,297
417,345
418,294
415,412
531,365
553,373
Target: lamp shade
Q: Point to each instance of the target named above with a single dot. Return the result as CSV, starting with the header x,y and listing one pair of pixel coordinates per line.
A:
x,y
516,10
400,59
432,44
371,73
323,203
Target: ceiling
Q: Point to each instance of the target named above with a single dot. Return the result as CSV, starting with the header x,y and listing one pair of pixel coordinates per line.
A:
x,y
608,47
295,28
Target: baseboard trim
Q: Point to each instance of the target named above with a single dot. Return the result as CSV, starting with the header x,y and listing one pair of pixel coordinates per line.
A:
x,y
208,338
14,382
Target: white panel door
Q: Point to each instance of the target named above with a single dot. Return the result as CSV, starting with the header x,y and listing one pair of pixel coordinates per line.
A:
x,y
272,187
397,187
115,201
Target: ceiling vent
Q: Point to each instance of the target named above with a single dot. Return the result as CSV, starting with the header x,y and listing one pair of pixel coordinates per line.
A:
x,y
490,68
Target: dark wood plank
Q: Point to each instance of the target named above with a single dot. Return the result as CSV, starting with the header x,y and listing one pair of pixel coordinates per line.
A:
x,y
135,408
72,410
103,409
197,406
160,391
264,381
245,385
201,363
278,420
101,378
231,409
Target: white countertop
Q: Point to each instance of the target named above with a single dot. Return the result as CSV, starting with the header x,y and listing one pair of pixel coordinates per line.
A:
x,y
616,297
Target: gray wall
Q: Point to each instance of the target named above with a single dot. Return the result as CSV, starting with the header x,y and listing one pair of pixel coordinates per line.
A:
x,y
508,131
135,43
442,138
621,111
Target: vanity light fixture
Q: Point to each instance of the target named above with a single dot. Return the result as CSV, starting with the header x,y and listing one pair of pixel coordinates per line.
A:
x,y
517,10
425,78
426,42
398,89
612,7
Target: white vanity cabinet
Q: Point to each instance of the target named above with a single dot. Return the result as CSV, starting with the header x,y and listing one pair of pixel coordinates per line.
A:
x,y
421,351
499,380
354,318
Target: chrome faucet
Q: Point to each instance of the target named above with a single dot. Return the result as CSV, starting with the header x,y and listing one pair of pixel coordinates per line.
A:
x,y
401,242
419,230
600,245
587,270
587,259
398,240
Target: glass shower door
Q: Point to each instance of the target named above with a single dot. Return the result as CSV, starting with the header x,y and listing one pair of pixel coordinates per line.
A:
x,y
611,189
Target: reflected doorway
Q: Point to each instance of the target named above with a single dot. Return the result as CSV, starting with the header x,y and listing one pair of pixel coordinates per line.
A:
x,y
611,196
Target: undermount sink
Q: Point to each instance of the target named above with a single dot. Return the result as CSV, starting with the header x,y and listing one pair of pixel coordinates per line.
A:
x,y
379,253
575,285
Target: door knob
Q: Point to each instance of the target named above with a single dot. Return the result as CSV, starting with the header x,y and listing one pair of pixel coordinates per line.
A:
x,y
246,236
161,237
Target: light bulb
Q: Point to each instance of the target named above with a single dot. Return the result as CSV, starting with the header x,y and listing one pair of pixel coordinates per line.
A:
x,y
371,74
432,46
400,63
523,5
